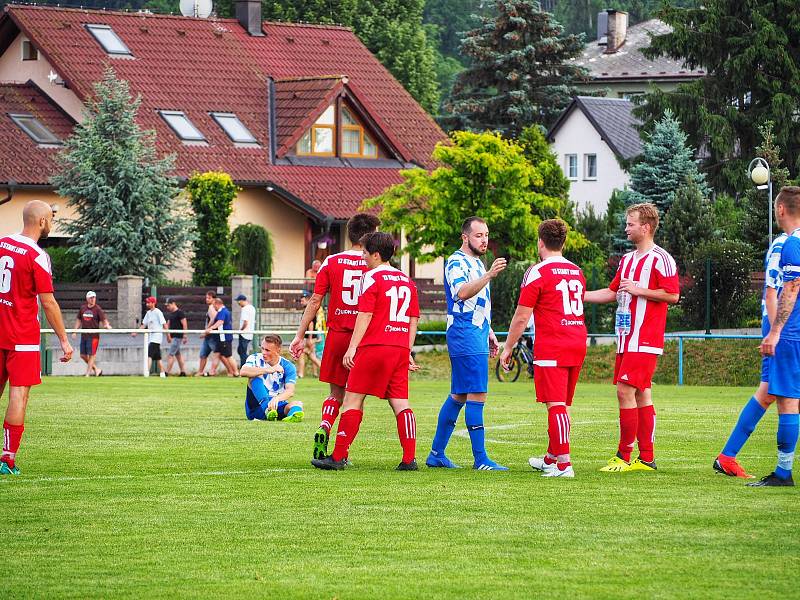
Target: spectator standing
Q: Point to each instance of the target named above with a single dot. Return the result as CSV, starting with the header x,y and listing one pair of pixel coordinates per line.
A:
x,y
247,323
209,346
154,322
224,321
90,316
176,337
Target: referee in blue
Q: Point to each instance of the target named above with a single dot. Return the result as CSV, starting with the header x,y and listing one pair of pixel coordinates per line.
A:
x,y
470,343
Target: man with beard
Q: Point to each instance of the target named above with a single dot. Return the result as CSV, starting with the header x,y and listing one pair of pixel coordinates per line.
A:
x,y
470,343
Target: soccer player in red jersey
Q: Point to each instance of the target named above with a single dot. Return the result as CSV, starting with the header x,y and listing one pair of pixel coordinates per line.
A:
x,y
24,276
340,277
645,283
552,290
379,352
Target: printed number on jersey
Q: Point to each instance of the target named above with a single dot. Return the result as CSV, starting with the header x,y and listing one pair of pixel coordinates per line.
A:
x,y
6,264
400,298
571,296
351,284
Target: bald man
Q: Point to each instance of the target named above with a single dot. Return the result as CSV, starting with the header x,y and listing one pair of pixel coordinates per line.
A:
x,y
25,275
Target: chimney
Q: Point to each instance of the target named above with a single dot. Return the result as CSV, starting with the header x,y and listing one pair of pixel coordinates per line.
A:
x,y
248,13
617,30
602,28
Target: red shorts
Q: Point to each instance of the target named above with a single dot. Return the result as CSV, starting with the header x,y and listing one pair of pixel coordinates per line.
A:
x,y
635,369
555,384
20,368
332,369
380,371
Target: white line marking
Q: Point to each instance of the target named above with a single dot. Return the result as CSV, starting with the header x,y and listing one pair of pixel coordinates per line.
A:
x,y
148,476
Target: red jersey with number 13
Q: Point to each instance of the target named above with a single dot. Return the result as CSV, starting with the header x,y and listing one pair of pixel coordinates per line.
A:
x,y
24,274
391,297
340,276
554,288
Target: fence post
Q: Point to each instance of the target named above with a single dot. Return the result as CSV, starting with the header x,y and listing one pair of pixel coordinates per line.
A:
x,y
129,301
257,299
708,296
593,340
680,361
146,339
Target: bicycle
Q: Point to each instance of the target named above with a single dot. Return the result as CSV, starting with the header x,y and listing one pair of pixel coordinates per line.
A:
x,y
522,353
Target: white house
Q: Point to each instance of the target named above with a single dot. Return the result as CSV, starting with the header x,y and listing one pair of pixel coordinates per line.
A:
x,y
592,138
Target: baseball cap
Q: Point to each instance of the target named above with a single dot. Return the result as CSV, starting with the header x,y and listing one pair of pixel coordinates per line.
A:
x,y
169,301
151,299
241,297
91,294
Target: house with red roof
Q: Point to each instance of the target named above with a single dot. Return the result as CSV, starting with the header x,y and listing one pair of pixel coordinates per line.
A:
x,y
303,117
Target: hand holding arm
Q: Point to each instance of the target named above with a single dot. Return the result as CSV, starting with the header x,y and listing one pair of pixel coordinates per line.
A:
x,y
603,296
471,288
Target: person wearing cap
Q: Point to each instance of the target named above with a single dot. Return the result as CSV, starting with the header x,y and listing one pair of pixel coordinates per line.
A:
x,y
154,322
247,321
223,323
176,326
90,316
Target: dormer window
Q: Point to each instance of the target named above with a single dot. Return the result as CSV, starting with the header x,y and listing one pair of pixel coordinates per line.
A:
x,y
318,141
109,40
321,138
182,126
36,130
355,141
235,129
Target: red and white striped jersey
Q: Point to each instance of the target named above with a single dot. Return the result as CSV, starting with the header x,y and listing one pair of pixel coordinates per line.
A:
x,y
654,270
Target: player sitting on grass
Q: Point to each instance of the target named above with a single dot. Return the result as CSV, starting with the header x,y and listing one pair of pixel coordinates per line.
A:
x,y
270,386
379,352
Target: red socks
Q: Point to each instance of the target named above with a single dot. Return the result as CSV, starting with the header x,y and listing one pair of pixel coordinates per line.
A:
x,y
628,424
558,427
646,433
407,431
12,436
348,430
330,410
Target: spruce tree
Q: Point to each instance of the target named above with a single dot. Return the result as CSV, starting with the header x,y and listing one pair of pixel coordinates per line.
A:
x,y
688,225
520,72
129,219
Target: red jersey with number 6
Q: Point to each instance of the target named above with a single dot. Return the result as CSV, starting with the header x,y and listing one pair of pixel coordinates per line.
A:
x,y
391,297
340,276
24,274
554,288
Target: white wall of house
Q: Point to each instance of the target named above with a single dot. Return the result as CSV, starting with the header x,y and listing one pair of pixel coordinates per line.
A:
x,y
15,70
578,137
625,89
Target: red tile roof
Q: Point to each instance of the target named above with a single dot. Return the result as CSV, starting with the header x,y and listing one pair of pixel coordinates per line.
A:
x,y
204,65
298,103
23,160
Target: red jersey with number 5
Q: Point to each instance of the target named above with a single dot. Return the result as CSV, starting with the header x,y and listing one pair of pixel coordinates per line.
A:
x,y
391,297
340,276
24,274
554,288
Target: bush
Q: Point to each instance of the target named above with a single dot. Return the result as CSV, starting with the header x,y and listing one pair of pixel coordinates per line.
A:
x,y
424,326
505,293
252,250
64,262
730,284
212,197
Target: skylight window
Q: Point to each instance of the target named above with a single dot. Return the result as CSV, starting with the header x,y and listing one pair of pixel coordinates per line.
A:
x,y
235,129
34,128
182,126
109,40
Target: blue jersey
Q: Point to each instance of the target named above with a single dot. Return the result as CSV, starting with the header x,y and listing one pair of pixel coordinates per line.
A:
x,y
224,315
790,267
773,277
274,382
468,321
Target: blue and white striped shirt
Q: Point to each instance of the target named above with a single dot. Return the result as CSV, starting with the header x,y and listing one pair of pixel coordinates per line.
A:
x,y
468,321
773,277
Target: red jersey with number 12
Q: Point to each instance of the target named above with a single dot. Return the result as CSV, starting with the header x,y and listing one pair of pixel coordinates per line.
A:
x,y
24,274
391,297
554,288
340,276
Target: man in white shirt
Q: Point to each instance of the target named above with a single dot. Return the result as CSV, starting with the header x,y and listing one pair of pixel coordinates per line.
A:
x,y
247,321
154,322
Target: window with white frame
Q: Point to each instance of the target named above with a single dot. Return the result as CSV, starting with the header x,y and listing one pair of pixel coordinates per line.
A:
x,y
182,126
590,166
571,166
109,40
235,129
35,129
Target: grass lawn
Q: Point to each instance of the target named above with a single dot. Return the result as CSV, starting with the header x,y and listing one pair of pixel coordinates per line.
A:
x,y
151,488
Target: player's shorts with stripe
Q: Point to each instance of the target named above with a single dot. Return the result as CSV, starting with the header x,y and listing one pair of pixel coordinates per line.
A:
x,y
380,371
89,345
20,368
555,384
784,370
332,370
469,374
765,368
636,369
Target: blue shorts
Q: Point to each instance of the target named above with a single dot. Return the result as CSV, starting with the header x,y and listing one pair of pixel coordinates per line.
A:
x,y
784,370
765,368
209,345
469,374
254,410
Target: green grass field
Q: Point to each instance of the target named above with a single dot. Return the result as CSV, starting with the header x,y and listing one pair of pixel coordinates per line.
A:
x,y
151,488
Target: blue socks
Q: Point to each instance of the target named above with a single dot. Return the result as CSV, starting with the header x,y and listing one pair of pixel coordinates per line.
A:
x,y
448,415
788,427
473,415
293,410
748,419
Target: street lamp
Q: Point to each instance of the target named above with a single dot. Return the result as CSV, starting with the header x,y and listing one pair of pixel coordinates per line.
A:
x,y
760,175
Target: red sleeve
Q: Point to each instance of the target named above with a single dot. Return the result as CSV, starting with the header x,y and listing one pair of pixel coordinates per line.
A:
x,y
614,285
413,309
668,283
367,299
42,279
322,280
529,294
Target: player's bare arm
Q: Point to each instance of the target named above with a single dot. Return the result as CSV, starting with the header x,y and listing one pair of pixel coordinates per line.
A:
x,y
518,324
251,371
298,343
472,288
494,345
659,295
412,336
786,302
771,302
284,396
53,313
362,323
603,296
